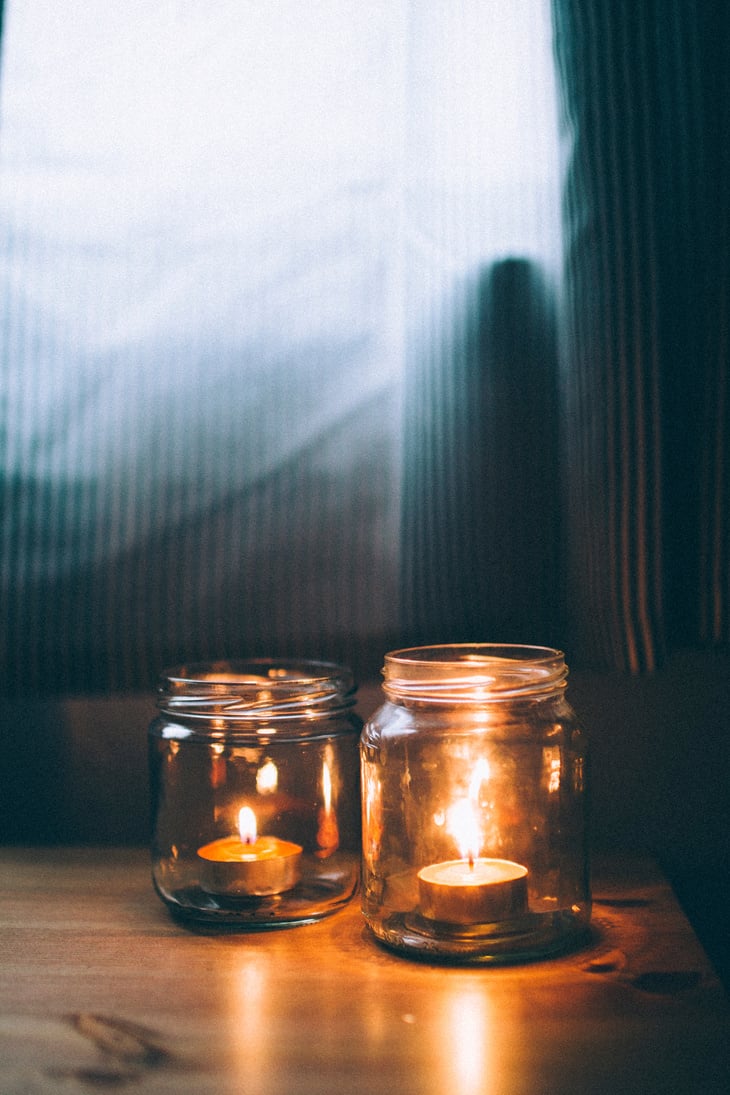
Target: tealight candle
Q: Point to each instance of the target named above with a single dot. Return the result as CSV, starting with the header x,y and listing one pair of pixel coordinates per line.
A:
x,y
472,891
249,865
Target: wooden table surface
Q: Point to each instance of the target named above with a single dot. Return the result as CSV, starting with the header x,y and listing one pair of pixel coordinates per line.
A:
x,y
101,991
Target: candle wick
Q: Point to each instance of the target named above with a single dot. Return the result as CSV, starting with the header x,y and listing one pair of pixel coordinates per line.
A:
x,y
471,861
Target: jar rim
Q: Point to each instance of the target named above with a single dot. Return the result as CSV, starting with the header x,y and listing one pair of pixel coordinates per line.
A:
x,y
469,672
257,688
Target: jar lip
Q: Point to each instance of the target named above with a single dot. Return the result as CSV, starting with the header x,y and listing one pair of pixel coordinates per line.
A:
x,y
257,687
469,672
237,672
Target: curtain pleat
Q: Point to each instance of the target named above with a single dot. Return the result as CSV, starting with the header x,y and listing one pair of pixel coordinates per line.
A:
x,y
714,514
645,221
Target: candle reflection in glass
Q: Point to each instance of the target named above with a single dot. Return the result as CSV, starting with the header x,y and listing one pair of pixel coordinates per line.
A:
x,y
328,835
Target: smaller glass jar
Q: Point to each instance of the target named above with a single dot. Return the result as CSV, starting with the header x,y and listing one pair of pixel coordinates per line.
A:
x,y
474,806
255,792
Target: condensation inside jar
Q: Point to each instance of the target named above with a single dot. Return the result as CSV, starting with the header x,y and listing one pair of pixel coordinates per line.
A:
x,y
255,793
474,806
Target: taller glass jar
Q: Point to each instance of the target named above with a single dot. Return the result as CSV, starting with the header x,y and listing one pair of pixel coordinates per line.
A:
x,y
474,806
255,792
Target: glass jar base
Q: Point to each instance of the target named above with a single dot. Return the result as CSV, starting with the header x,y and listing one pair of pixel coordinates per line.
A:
x,y
531,938
192,906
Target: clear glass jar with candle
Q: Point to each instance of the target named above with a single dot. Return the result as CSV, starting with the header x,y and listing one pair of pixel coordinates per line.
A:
x,y
255,792
474,788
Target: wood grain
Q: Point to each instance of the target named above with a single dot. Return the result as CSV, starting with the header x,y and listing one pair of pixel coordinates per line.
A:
x,y
101,991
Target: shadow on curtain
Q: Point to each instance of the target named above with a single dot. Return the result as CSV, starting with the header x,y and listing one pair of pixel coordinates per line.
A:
x,y
482,493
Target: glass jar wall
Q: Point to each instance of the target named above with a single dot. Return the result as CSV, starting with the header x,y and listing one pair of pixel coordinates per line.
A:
x,y
474,806
255,792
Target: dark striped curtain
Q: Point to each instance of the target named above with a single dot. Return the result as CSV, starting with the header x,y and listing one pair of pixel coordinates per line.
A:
x,y
646,118
496,430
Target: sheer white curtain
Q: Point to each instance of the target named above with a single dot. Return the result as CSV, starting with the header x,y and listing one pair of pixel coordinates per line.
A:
x,y
229,232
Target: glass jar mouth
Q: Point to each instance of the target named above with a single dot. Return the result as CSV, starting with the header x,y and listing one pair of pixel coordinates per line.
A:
x,y
271,688
473,672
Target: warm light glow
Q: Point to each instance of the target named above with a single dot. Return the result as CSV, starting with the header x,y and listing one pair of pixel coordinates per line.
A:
x,y
471,1069
248,1040
554,781
326,787
372,813
481,772
247,825
328,833
552,767
267,778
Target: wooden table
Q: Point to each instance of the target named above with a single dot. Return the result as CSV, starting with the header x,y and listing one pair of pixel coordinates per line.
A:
x,y
101,991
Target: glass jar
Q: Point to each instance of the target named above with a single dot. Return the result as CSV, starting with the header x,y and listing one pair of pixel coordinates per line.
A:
x,y
474,806
255,792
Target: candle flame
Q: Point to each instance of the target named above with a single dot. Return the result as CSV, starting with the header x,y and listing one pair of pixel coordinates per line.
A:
x,y
247,825
464,827
462,817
